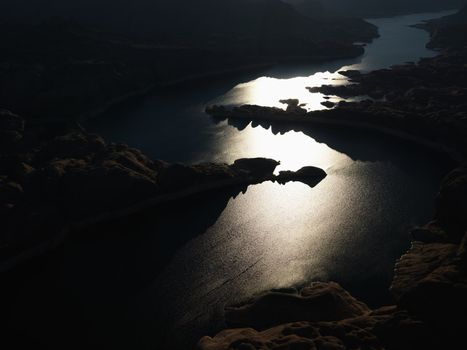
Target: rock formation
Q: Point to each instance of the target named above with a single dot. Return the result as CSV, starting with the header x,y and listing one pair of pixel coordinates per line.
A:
x,y
50,181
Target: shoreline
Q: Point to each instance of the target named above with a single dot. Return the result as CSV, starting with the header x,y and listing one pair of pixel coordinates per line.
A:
x,y
240,180
203,77
355,124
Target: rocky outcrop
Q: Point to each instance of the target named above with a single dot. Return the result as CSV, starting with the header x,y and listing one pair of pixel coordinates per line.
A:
x,y
49,182
297,335
317,302
309,175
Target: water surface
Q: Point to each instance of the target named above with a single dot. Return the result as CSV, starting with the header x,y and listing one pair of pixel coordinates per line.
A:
x,y
172,271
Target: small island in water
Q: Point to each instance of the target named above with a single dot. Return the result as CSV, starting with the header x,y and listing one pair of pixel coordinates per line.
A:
x,y
202,218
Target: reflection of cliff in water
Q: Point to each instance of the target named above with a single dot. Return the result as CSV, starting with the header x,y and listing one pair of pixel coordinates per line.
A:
x,y
359,145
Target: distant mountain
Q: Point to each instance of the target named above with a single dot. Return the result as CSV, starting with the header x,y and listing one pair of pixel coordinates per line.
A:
x,y
365,8
63,58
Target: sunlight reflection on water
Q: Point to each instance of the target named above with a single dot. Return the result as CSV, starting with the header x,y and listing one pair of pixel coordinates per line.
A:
x,y
350,228
394,49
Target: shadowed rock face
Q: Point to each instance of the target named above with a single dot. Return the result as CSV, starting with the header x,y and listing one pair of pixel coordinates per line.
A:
x,y
452,204
298,335
11,129
318,302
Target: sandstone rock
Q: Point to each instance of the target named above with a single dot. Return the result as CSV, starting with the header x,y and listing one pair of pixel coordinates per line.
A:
x,y
430,283
298,335
418,263
75,145
430,233
318,302
255,166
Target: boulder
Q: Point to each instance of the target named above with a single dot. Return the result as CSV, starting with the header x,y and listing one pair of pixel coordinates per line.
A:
x,y
430,233
297,335
255,166
418,263
309,175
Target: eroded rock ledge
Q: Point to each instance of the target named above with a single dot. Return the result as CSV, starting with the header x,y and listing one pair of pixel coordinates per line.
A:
x,y
50,181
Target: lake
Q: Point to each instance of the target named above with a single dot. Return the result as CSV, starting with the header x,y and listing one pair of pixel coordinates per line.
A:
x,y
167,274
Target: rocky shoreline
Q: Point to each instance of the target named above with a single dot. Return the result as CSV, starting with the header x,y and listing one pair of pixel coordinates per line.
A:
x,y
429,288
56,182
424,103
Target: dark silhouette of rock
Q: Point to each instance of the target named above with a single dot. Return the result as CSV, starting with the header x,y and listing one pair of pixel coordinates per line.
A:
x,y
318,302
310,175
328,104
65,177
255,166
452,204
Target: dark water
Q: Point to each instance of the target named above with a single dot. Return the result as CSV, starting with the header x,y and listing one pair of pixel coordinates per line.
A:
x,y
165,276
